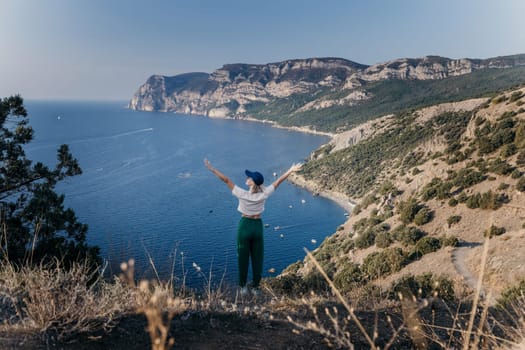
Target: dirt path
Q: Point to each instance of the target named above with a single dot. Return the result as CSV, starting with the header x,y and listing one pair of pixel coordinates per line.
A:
x,y
459,255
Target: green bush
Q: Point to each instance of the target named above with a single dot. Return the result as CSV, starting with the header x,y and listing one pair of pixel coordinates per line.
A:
x,y
494,231
462,198
423,216
315,282
508,150
408,209
499,99
348,277
520,185
516,174
383,240
383,263
365,239
290,284
454,219
436,188
424,286
503,186
407,235
426,245
387,188
293,268
512,295
453,202
466,178
520,160
500,167
487,200
449,241
416,171
516,96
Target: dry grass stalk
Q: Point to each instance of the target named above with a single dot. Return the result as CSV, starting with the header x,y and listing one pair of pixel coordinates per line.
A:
x,y
477,294
157,302
342,300
412,320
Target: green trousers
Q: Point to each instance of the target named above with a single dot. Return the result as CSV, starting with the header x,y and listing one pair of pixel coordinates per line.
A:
x,y
250,243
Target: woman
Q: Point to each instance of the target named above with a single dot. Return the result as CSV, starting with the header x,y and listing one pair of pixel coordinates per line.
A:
x,y
250,241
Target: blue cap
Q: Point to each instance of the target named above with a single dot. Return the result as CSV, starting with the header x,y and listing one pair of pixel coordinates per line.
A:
x,y
256,176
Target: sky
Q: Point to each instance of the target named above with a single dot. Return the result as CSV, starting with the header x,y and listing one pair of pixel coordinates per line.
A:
x,y
106,49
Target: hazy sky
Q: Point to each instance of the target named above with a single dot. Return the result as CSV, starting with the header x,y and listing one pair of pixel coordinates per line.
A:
x,y
105,49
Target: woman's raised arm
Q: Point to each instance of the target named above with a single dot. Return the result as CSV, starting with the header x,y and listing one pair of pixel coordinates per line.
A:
x,y
293,169
220,175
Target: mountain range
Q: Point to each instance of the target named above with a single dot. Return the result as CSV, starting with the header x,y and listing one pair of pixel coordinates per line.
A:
x,y
328,94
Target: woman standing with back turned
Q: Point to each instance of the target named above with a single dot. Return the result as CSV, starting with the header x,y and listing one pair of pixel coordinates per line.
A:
x,y
250,241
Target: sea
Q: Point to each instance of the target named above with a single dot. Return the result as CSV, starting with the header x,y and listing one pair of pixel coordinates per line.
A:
x,y
146,195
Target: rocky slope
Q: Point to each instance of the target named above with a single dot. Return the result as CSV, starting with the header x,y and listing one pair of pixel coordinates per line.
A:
x,y
457,173
239,90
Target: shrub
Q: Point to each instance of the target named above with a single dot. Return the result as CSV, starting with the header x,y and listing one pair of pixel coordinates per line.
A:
x,y
383,240
508,150
516,174
449,241
467,178
424,286
516,96
366,239
290,284
423,216
407,235
454,219
383,263
503,186
408,210
315,282
487,200
426,245
520,160
462,198
512,295
494,231
453,202
499,99
293,268
436,188
500,167
416,171
387,188
520,185
348,277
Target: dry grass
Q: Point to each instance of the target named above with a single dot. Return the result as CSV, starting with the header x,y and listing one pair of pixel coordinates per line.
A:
x,y
58,302
479,328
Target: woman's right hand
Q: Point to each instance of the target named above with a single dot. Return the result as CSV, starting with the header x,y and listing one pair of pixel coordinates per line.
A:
x,y
295,167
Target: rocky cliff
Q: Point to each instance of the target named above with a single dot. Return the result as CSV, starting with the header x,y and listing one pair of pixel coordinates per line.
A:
x,y
236,89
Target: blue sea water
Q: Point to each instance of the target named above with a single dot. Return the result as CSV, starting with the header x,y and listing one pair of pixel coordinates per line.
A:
x,y
145,193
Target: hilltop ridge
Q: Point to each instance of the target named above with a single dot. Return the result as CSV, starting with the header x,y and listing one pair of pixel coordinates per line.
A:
x,y
326,94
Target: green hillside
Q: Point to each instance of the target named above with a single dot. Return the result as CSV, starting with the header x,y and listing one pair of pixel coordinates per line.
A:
x,y
389,96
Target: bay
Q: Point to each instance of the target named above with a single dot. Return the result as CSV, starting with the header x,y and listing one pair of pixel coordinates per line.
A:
x,y
145,193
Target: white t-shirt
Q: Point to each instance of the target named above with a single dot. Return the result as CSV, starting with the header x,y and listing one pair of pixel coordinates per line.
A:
x,y
252,203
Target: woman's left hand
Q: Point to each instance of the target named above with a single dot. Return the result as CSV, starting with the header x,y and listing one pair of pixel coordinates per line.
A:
x,y
207,164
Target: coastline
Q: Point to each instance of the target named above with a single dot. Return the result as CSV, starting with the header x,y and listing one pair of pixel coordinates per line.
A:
x,y
342,200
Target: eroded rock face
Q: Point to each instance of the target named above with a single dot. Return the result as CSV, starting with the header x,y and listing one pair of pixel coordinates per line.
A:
x,y
228,90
